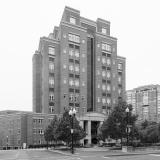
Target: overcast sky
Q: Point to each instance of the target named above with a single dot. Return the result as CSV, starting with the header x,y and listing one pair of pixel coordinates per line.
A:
x,y
135,23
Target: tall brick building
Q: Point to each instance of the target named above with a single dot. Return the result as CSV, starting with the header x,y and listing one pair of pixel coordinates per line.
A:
x,y
145,101
77,66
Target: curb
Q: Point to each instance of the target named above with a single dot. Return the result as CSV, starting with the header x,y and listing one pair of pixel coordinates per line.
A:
x,y
132,154
61,152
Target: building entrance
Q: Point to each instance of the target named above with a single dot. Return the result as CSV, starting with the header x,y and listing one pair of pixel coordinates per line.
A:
x,y
94,131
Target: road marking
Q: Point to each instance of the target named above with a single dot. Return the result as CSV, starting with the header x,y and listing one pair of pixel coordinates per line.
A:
x,y
155,154
16,156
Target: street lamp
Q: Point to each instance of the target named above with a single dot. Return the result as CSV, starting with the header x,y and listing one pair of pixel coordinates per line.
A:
x,y
7,142
72,113
127,110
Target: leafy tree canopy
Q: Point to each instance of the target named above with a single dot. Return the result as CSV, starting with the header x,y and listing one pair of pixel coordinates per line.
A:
x,y
116,123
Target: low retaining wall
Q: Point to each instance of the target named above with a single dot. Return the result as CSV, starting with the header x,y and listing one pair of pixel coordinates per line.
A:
x,y
132,149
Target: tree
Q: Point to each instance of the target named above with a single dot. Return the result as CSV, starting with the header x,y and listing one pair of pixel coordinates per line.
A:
x,y
115,125
50,133
149,132
64,129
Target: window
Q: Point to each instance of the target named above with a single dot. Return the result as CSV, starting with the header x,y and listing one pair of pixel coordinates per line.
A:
x,y
77,68
103,73
74,38
83,98
103,60
119,91
76,76
77,47
108,88
52,50
71,67
71,97
83,55
76,90
103,87
19,131
64,66
108,75
71,82
98,45
51,96
104,111
98,58
103,100
119,66
40,131
108,61
35,120
83,109
83,83
34,130
64,95
76,61
98,73
71,53
64,80
104,31
40,121
72,20
76,97
77,83
83,40
108,101
106,47
98,85
51,81
64,51
51,66
76,53
34,141
98,99
40,141
83,69
51,109
119,79
64,35
104,67
18,141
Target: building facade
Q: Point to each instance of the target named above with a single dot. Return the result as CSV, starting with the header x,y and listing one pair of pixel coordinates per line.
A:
x,y
77,66
145,101
20,129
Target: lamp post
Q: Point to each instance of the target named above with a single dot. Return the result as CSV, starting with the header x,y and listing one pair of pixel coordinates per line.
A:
x,y
7,142
72,113
127,111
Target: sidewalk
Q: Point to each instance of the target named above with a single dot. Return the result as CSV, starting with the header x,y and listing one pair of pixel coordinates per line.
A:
x,y
114,153
108,152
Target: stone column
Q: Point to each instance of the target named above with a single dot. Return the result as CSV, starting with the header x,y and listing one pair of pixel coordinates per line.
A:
x,y
89,132
100,141
82,125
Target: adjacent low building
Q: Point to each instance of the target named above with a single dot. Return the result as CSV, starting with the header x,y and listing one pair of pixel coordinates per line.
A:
x,y
20,129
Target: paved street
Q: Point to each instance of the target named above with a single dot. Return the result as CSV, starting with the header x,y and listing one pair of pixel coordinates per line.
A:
x,y
80,154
